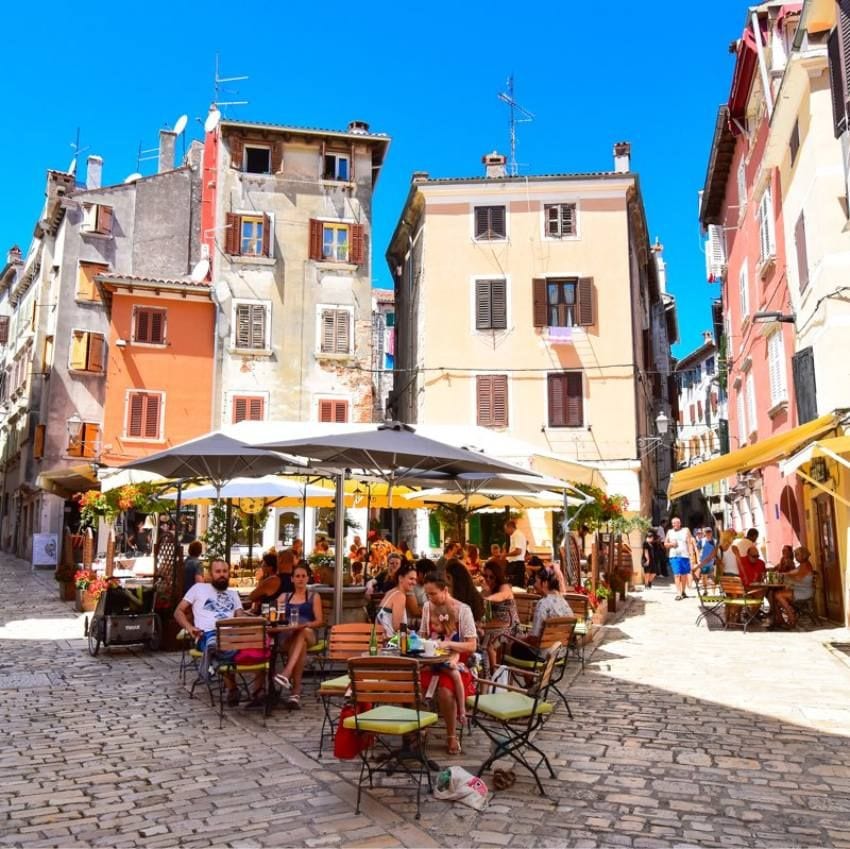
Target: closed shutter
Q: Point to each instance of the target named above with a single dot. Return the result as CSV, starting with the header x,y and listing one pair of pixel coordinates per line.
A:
x,y
91,439
77,359
38,441
236,147
258,326
802,253
232,235
333,411
490,222
343,332
243,326
157,322
277,157
499,304
86,287
4,329
151,422
97,345
481,222
584,296
248,408
557,404
492,400
267,234
568,219
325,411
135,414
104,220
566,399
328,331
340,411
575,399
240,410
315,239
497,221
142,326
484,393
256,409
836,83
483,305
358,244
500,400
251,326
805,387
539,311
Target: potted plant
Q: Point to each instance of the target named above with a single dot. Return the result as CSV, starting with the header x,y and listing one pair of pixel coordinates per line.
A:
x,y
603,597
83,580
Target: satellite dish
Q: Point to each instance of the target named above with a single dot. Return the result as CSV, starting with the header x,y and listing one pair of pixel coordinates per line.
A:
x,y
72,168
133,177
212,120
180,124
200,271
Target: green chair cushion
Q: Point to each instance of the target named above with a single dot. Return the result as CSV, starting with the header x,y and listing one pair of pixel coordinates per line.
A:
x,y
320,646
528,664
580,628
743,602
246,667
334,686
506,706
390,719
713,599
195,653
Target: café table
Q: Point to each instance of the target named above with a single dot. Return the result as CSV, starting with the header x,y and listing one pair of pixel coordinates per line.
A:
x,y
771,588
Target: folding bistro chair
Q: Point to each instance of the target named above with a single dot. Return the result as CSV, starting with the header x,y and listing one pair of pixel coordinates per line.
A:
x,y
346,641
711,605
580,606
557,631
525,604
807,606
741,605
510,718
241,635
390,687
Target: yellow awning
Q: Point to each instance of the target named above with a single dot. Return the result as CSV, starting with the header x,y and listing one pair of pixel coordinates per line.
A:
x,y
763,453
68,480
830,447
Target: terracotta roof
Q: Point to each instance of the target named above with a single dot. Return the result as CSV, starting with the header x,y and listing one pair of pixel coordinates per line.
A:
x,y
717,173
115,277
295,129
386,296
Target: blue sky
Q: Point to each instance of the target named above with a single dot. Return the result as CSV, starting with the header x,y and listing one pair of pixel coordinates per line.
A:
x,y
428,74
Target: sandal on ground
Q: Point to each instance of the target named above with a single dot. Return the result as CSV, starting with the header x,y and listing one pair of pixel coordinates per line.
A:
x,y
294,701
503,778
453,745
679,597
282,681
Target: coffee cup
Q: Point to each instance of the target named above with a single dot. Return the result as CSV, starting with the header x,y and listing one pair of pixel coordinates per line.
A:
x,y
429,648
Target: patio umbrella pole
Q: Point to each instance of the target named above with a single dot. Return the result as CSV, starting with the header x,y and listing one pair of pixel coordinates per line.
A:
x,y
339,543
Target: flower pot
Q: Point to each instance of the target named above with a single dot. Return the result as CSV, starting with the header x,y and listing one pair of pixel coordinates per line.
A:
x,y
86,601
67,591
601,612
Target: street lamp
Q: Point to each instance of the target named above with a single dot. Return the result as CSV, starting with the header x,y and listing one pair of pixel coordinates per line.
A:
x,y
771,317
75,427
648,443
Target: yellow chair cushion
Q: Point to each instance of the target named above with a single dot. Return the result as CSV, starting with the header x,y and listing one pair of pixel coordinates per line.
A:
x,y
580,629
335,685
506,706
246,667
742,602
528,664
320,646
195,653
390,719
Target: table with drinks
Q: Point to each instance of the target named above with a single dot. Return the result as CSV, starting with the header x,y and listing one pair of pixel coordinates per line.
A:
x,y
772,583
280,625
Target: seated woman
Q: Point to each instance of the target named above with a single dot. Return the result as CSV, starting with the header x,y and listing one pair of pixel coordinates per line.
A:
x,y
452,625
786,559
503,614
800,586
463,589
303,636
550,606
269,590
392,609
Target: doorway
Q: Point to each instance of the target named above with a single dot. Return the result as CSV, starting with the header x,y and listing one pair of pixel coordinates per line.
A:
x,y
826,543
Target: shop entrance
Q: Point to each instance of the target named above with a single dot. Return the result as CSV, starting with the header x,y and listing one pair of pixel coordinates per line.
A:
x,y
826,555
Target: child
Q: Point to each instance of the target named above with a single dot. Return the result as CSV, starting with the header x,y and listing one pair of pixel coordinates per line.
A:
x,y
446,628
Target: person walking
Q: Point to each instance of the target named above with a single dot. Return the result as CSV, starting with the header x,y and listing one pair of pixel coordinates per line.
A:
x,y
650,559
680,547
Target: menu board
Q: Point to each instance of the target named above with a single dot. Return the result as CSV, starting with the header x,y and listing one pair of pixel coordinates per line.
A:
x,y
45,549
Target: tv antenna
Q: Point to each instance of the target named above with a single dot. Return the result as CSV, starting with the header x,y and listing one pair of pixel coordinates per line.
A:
x,y
146,155
75,146
518,115
219,89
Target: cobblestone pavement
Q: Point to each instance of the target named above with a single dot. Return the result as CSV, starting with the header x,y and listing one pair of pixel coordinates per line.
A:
x,y
681,737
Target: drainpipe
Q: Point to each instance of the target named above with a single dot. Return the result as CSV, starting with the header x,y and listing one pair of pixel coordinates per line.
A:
x,y
765,80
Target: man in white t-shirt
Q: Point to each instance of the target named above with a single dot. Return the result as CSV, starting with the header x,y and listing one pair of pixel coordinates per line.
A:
x,y
209,603
516,554
680,548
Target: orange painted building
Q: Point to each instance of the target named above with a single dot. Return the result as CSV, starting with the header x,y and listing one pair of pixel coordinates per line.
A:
x,y
159,364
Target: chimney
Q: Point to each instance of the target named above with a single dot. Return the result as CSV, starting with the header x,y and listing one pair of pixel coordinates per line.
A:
x,y
707,337
494,164
94,169
14,257
420,177
167,139
622,157
358,128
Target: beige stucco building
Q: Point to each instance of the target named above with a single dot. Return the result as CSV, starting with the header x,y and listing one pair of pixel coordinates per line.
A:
x,y
536,306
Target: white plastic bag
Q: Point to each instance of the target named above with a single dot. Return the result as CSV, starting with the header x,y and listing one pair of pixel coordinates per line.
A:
x,y
501,675
455,784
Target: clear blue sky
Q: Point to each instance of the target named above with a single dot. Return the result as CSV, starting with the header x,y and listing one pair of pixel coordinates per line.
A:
x,y
425,73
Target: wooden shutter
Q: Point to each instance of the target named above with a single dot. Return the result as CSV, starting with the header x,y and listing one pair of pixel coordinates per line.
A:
x,y
157,324
315,239
358,244
277,157
568,219
333,411
97,345
75,444
104,219
243,325
38,441
343,332
805,387
236,146
4,329
340,412
77,359
256,409
142,325
91,438
248,408
240,410
86,287
484,396
584,298
480,222
258,326
483,305
539,311
802,253
497,222
328,328
151,420
500,400
135,414
325,411
267,234
557,405
232,234
575,399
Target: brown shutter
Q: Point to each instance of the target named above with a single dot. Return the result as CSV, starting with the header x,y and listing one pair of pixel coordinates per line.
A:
x,y
328,327
142,325
104,219
480,221
157,324
500,400
569,219
499,304
340,412
325,411
358,246
255,409
557,405
575,399
96,350
38,442
243,326
4,329
267,234
240,410
484,394
232,236
277,157
584,293
315,239
151,423
498,221
483,305
236,146
538,288
135,414
802,253
91,437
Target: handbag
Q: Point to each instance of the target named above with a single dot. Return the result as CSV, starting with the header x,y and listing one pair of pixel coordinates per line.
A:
x,y
348,743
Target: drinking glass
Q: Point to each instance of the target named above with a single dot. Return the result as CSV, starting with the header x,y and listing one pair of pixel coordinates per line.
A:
x,y
293,616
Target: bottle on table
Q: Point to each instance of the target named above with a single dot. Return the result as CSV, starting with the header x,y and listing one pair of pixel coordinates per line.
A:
x,y
402,638
373,641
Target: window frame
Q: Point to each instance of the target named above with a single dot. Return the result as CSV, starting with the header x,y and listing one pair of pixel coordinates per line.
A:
x,y
80,296
128,395
259,223
337,156
321,309
235,395
134,326
89,334
741,410
752,408
484,238
232,247
562,282
246,146
744,290
343,400
336,227
767,227
493,422
88,448
474,284
560,236
267,326
563,373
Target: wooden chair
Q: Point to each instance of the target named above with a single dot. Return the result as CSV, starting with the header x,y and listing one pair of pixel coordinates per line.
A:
x,y
345,642
741,605
390,686
510,718
580,606
525,604
236,635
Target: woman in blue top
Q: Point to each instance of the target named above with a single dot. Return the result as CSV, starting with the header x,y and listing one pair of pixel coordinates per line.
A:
x,y
301,636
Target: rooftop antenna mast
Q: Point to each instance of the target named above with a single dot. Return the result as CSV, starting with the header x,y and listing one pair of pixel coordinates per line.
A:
x,y
518,116
219,89
75,146
145,155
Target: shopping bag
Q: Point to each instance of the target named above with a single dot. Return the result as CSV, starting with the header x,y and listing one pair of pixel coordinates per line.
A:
x,y
455,784
348,743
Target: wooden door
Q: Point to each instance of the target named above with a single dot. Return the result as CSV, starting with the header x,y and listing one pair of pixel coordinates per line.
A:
x,y
827,556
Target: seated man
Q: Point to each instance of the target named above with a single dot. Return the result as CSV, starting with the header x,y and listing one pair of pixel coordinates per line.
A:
x,y
209,603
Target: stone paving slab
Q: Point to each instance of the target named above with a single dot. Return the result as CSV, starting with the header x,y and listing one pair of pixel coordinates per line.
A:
x,y
681,737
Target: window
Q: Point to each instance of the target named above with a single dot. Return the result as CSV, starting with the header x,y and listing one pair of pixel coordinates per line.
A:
x,y
752,417
38,441
744,290
97,218
144,415
86,287
335,331
560,220
87,351
491,392
709,366
4,329
87,443
333,241
258,160
333,411
337,167
248,408
767,244
794,142
563,302
742,419
248,235
149,325
776,368
742,185
490,222
566,399
251,326
491,304
802,252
